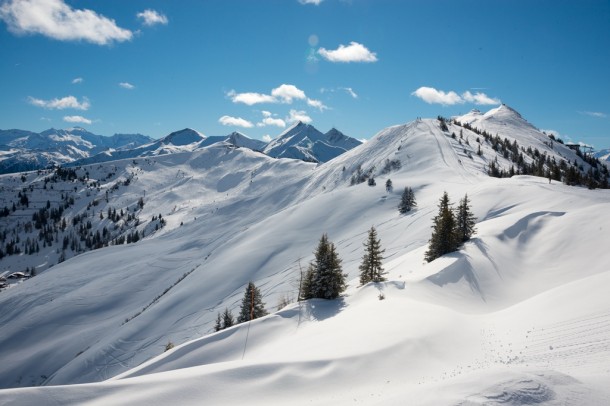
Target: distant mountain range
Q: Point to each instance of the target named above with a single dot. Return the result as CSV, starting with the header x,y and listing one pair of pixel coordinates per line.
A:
x,y
25,150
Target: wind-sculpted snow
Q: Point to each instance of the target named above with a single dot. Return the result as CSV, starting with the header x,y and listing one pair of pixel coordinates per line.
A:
x,y
519,315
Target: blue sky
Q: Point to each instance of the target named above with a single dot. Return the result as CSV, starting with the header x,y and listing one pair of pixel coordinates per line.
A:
x,y
155,66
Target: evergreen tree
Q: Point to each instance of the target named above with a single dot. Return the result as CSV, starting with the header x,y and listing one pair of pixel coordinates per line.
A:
x,y
218,324
388,186
252,306
407,201
324,278
465,220
444,237
227,319
371,269
307,283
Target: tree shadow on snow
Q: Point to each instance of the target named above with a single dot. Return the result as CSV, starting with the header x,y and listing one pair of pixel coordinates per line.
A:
x,y
320,309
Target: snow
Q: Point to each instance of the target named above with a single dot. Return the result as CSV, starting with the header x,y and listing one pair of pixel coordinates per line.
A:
x,y
520,315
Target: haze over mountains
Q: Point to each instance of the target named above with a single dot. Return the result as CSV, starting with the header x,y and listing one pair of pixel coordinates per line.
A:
x,y
23,150
519,315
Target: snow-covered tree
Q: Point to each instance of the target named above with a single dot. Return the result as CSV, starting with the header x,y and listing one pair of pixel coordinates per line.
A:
x,y
407,201
465,220
252,306
324,278
444,237
371,269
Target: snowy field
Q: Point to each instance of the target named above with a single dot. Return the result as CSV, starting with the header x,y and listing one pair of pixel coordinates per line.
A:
x,y
519,316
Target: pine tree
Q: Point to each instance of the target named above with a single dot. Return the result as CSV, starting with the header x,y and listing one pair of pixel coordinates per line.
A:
x,y
325,276
371,269
307,283
252,306
407,201
388,186
227,319
465,220
444,237
218,324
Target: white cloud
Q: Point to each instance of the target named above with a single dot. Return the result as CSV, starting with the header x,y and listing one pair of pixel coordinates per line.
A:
x,y
596,114
354,52
235,122
250,98
68,102
298,115
57,20
267,138
152,17
77,81
315,2
127,85
278,122
432,96
77,119
479,98
350,91
317,104
286,93
266,113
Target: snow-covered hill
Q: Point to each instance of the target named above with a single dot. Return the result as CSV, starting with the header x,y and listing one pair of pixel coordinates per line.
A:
x,y
518,316
25,150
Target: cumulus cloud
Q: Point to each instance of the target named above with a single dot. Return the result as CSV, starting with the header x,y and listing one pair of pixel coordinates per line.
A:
x,y
479,98
347,90
250,98
267,138
68,102
298,115
152,17
57,20
127,85
314,2
433,96
287,93
278,122
317,104
282,94
268,119
77,81
354,52
77,119
235,122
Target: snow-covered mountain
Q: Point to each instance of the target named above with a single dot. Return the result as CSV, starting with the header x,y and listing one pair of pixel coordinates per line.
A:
x,y
603,155
25,150
305,142
520,315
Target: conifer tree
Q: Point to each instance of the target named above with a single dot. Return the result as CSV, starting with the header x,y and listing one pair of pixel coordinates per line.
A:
x,y
371,269
218,324
325,278
227,319
465,220
444,237
388,186
407,201
252,306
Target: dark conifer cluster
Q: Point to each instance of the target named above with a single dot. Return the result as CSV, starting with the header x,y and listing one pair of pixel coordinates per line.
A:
x,y
451,228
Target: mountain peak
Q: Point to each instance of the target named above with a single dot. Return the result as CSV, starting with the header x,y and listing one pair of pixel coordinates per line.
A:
x,y
183,137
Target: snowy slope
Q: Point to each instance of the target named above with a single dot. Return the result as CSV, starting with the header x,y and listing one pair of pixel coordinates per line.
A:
x,y
489,324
